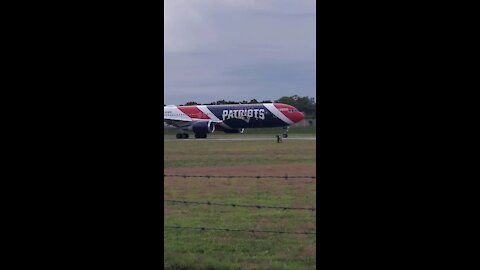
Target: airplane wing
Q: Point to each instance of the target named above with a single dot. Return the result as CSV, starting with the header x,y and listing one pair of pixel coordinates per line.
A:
x,y
178,122
184,122
180,119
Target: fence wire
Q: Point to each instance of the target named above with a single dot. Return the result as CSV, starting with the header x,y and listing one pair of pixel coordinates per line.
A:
x,y
286,177
241,205
236,230
234,205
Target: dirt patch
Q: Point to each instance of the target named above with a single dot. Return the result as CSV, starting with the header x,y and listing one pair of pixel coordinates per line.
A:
x,y
310,251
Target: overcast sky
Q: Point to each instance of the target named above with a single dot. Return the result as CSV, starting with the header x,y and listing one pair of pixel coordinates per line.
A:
x,y
238,49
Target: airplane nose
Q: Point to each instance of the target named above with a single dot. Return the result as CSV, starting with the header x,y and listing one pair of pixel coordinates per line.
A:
x,y
297,117
302,116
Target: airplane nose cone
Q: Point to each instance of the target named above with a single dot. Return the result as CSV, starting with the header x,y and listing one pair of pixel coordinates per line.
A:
x,y
297,117
302,116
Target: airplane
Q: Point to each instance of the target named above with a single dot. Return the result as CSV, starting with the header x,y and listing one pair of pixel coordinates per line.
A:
x,y
205,119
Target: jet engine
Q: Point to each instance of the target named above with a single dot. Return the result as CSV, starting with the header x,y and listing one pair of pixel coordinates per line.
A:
x,y
203,127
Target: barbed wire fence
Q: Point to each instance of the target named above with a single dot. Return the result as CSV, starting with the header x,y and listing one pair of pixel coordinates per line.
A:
x,y
241,205
236,230
286,177
235,205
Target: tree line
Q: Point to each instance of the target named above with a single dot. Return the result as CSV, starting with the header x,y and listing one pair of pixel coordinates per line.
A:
x,y
307,105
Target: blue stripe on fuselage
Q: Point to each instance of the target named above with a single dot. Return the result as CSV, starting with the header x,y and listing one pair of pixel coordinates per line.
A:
x,y
246,116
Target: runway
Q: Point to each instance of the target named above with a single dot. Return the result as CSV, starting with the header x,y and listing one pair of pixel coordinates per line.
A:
x,y
246,139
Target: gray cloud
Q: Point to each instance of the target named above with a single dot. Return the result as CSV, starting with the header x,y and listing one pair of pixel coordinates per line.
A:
x,y
238,49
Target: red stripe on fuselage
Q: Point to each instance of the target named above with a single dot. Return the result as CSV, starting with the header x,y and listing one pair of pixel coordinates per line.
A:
x,y
193,112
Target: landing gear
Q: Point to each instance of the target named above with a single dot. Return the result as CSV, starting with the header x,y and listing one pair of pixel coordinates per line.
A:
x,y
182,135
200,136
285,132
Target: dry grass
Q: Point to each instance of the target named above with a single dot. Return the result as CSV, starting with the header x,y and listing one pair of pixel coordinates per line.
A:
x,y
221,250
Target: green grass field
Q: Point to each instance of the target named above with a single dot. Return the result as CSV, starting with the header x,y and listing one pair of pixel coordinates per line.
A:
x,y
186,249
259,131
